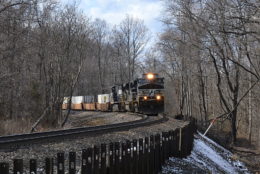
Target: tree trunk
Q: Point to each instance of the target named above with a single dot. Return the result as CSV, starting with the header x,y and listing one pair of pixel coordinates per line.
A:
x,y
39,120
71,92
233,126
250,110
203,93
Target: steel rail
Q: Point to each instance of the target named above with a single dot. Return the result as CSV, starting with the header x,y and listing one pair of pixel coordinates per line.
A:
x,y
15,140
30,135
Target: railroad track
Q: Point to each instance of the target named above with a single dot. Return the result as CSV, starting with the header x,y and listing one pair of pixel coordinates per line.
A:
x,y
15,141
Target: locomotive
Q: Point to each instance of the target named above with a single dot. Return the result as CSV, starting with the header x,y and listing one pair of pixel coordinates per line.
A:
x,y
143,95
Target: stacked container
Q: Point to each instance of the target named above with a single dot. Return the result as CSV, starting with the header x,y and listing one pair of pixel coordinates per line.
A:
x,y
103,102
89,103
76,102
89,99
65,103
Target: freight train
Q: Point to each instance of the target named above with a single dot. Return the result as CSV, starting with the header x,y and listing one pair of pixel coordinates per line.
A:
x,y
143,95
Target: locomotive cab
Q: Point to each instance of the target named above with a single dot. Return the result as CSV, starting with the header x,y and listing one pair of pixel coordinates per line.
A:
x,y
144,95
150,94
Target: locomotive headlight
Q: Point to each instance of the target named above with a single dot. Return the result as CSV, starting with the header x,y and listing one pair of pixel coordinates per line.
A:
x,y
158,97
145,97
150,76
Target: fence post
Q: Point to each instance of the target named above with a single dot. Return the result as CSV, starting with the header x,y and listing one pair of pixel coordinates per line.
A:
x,y
151,154
128,158
175,143
146,155
4,168
178,143
18,166
171,143
49,165
123,159
117,158
167,149
86,163
90,160
163,149
60,163
190,132
72,162
96,160
103,159
84,159
33,166
111,158
188,139
141,154
183,143
157,153
135,157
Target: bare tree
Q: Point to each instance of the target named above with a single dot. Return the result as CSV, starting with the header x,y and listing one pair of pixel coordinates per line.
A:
x,y
133,35
100,39
221,35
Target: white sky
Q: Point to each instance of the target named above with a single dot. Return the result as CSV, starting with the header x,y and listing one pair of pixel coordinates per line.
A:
x,y
113,11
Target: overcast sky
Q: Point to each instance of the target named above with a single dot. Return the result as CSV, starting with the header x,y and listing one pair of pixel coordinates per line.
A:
x,y
113,11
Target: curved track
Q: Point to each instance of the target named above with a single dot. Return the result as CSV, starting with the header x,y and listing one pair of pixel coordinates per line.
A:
x,y
22,139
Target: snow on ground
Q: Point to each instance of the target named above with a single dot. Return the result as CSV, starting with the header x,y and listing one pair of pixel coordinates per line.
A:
x,y
207,157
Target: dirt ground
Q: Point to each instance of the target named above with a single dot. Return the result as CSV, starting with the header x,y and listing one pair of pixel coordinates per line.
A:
x,y
248,154
76,119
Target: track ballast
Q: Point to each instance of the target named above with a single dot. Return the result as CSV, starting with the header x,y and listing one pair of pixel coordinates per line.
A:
x,y
15,141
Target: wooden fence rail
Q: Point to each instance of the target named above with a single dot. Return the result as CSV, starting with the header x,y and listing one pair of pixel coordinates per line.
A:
x,y
142,156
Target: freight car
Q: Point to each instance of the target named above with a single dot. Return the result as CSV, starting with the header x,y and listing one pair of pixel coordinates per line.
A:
x,y
143,95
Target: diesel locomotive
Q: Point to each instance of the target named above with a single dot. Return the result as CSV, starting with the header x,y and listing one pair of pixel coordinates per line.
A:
x,y
144,95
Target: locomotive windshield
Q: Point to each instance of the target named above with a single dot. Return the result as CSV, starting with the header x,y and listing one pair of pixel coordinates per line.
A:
x,y
156,80
151,86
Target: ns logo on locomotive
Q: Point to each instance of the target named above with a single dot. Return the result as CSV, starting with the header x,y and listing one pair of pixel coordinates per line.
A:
x,y
143,95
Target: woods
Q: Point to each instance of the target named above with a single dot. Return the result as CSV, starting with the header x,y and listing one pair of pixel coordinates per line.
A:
x,y
50,50
211,50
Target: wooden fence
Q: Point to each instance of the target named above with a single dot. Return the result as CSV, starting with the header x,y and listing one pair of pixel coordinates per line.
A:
x,y
142,156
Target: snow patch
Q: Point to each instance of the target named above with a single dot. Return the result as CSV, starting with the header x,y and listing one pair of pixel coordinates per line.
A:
x,y
209,154
206,157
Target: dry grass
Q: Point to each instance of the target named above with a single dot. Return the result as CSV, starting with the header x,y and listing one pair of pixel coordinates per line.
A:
x,y
95,122
14,126
20,126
